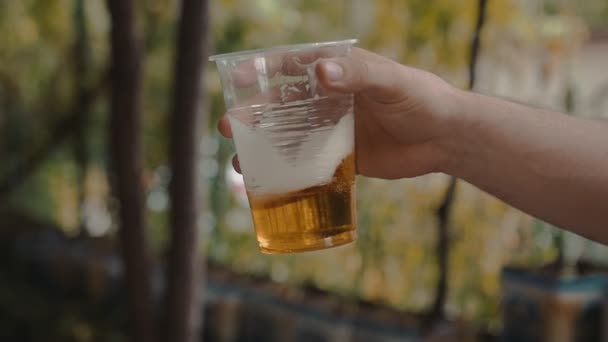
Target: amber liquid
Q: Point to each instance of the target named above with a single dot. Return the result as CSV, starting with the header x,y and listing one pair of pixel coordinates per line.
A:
x,y
315,218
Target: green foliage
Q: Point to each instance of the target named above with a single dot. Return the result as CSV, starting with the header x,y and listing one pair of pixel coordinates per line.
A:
x,y
393,260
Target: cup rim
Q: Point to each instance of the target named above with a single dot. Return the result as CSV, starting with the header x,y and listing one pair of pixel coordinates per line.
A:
x,y
284,48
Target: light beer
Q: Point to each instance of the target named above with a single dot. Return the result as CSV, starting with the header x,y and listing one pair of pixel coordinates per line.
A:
x,y
295,142
314,218
299,167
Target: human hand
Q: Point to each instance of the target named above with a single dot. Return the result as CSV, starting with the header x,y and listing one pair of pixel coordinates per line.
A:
x,y
402,114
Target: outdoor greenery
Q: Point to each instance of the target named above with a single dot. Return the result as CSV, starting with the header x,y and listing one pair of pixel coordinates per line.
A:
x,y
65,177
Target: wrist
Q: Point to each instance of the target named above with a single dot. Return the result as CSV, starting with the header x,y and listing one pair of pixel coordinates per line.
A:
x,y
459,126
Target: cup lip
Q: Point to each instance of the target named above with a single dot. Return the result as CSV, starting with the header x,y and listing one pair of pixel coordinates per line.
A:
x,y
284,48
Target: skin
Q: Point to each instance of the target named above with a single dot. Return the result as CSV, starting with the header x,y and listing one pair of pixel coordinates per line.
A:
x,y
409,122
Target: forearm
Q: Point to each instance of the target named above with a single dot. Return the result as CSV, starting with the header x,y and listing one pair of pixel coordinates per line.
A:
x,y
548,164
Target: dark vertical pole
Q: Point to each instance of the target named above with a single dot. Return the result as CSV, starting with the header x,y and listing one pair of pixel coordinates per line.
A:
x,y
437,311
183,305
126,153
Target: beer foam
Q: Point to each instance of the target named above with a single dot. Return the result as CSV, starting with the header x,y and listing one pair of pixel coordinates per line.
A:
x,y
267,170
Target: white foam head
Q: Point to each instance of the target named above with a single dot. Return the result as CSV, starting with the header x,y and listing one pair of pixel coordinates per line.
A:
x,y
266,170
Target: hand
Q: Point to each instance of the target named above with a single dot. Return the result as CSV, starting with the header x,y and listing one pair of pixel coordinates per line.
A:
x,y
402,114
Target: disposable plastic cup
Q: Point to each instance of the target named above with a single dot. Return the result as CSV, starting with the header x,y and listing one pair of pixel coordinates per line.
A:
x,y
295,142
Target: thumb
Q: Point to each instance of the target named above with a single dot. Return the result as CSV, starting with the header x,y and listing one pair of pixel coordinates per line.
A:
x,y
384,80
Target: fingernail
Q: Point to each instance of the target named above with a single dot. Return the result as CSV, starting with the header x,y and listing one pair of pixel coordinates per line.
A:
x,y
334,71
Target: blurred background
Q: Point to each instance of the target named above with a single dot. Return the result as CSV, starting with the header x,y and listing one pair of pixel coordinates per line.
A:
x,y
488,272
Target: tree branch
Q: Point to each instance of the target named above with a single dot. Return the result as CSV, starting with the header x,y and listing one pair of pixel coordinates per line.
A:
x,y
437,311
184,263
126,153
59,133
80,68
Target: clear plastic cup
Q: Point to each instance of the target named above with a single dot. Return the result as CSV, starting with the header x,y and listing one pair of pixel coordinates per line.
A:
x,y
295,142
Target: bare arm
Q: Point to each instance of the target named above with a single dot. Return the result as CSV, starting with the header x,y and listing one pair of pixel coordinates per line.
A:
x,y
409,122
548,164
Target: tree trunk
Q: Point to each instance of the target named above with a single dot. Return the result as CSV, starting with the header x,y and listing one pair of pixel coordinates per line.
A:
x,y
437,311
183,305
127,166
442,248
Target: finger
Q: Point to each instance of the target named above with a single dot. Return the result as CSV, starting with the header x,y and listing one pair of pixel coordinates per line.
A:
x,y
297,63
275,95
368,55
247,72
384,80
293,63
236,164
252,111
224,127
